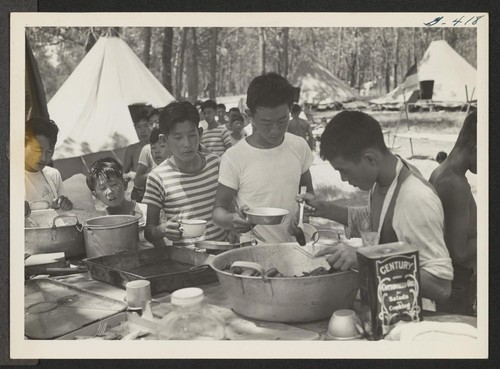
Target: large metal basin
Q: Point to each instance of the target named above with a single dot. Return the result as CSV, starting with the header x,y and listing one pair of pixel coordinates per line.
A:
x,y
285,299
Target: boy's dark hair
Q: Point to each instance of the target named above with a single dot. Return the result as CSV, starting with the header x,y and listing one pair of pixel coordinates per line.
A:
x,y
208,104
468,134
154,111
177,112
221,106
441,156
41,127
138,112
235,109
269,90
154,136
237,117
104,168
296,109
348,134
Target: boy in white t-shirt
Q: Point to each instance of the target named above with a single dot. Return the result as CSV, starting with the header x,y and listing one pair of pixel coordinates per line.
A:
x,y
267,168
42,183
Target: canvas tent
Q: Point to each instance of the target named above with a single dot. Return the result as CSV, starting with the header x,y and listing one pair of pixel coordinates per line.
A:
x,y
317,83
91,107
450,72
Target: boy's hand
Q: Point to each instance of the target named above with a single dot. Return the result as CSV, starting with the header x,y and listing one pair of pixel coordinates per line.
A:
x,y
170,229
341,256
62,203
130,176
240,224
314,207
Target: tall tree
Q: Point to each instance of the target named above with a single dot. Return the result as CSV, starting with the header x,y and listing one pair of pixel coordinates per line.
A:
x,y
166,56
284,41
179,71
213,63
192,75
146,53
262,48
397,32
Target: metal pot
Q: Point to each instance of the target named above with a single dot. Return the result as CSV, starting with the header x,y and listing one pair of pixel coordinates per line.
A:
x,y
111,234
284,299
66,238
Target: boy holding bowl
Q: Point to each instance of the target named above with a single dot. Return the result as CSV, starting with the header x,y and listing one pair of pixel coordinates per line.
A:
x,y
267,168
184,185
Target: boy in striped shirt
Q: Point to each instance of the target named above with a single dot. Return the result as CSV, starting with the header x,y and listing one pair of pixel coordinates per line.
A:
x,y
185,184
215,138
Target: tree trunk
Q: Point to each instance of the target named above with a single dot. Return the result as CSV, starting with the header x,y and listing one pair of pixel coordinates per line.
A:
x,y
192,75
91,40
262,43
396,55
166,56
339,52
285,34
213,63
180,64
146,52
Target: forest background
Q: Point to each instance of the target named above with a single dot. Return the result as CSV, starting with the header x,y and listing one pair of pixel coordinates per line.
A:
x,y
198,63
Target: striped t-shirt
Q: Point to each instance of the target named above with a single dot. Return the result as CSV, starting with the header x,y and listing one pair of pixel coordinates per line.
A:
x,y
190,194
217,140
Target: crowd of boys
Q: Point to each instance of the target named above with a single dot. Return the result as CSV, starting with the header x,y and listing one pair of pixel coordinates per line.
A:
x,y
216,171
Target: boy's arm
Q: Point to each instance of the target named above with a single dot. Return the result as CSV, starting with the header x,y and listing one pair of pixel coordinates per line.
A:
x,y
306,180
221,215
226,139
455,196
127,160
154,231
141,175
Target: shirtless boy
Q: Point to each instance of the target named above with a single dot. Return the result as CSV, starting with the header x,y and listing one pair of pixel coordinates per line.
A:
x,y
460,216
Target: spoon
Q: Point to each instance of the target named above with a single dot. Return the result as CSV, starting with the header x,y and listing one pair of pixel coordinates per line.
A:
x,y
298,232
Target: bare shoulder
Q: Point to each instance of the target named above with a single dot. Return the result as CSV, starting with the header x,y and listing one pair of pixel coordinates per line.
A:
x,y
445,180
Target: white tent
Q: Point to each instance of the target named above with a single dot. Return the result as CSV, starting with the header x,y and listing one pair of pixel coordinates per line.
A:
x,y
91,107
451,74
317,83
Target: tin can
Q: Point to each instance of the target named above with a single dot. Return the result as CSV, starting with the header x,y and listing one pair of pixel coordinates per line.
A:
x,y
390,287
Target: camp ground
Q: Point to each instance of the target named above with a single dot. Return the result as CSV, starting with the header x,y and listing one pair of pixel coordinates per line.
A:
x,y
274,225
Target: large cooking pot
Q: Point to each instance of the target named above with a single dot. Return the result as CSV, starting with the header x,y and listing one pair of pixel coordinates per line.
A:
x,y
286,299
56,238
111,234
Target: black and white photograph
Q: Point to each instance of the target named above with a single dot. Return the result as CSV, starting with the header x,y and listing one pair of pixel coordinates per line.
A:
x,y
305,185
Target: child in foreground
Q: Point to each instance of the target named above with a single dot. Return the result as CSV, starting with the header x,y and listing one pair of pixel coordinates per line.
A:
x,y
184,185
42,183
106,183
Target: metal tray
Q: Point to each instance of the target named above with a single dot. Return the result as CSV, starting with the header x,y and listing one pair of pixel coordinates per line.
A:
x,y
167,268
53,308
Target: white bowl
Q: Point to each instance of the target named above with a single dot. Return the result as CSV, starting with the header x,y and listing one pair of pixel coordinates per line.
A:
x,y
192,228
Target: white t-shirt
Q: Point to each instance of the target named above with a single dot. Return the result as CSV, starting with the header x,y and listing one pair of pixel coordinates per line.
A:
x,y
43,185
418,220
267,178
145,157
204,125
